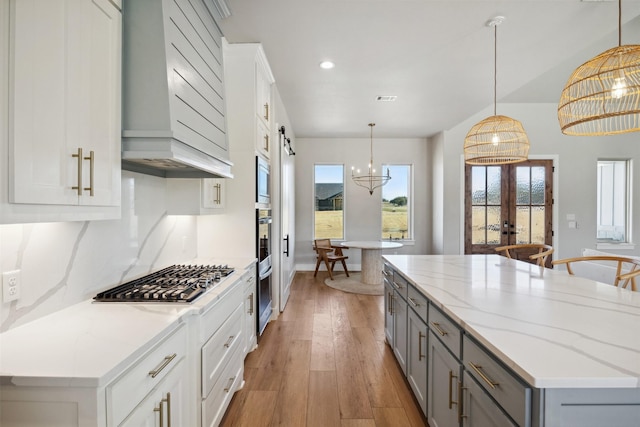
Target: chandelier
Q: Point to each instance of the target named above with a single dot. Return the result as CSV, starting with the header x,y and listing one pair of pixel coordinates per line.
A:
x,y
602,95
370,181
497,139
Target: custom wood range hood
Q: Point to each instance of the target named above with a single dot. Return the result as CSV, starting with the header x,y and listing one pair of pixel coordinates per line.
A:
x,y
173,112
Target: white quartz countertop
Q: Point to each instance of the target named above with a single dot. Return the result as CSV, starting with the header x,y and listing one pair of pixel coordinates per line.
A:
x,y
88,343
552,329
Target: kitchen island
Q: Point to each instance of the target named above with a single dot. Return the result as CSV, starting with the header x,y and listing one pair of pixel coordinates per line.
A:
x,y
567,348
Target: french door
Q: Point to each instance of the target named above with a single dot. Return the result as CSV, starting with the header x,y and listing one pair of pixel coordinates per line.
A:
x,y
508,204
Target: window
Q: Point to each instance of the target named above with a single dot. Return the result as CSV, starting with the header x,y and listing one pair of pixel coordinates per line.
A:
x,y
396,203
614,201
329,192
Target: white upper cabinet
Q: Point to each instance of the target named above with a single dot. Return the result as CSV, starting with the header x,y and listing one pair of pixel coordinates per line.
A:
x,y
249,82
64,107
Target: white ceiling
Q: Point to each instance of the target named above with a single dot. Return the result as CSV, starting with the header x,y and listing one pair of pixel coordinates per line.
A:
x,y
436,56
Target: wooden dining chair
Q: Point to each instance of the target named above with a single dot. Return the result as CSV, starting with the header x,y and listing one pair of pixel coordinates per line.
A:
x,y
540,257
329,254
626,268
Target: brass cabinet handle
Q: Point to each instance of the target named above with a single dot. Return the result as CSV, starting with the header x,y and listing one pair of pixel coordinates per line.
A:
x,y
437,327
414,302
161,411
451,401
168,400
229,384
162,365
420,355
250,298
218,192
461,416
266,142
91,163
79,156
266,111
397,286
229,341
484,376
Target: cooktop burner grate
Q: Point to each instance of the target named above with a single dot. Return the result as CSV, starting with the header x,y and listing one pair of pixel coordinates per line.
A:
x,y
177,283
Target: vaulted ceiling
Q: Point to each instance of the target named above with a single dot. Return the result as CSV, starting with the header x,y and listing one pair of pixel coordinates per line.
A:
x,y
436,56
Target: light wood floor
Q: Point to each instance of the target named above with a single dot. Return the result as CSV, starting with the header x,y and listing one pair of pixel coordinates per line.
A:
x,y
324,362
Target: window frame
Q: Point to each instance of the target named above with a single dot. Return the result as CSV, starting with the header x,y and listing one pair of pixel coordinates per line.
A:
x,y
409,237
604,243
344,201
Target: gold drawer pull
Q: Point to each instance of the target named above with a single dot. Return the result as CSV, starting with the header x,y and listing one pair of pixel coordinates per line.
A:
x,y
229,384
79,186
229,341
420,355
250,298
451,401
414,302
163,365
91,163
217,198
484,376
266,111
437,327
168,400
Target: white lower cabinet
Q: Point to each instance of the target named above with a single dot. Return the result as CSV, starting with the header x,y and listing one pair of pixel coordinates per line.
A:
x,y
250,320
165,405
144,385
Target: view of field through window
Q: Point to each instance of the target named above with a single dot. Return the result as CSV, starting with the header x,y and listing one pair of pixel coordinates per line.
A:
x,y
396,203
329,193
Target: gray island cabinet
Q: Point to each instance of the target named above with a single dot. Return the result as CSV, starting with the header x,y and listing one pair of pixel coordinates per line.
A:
x,y
487,341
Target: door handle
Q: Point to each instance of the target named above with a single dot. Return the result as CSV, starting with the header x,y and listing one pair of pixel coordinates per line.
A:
x,y
286,251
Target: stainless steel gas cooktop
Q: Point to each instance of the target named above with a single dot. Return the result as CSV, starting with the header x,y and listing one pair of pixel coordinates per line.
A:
x,y
178,283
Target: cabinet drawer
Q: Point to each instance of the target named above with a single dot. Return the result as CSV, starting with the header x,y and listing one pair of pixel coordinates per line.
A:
x,y
400,284
130,389
213,318
230,380
509,391
249,279
445,329
216,351
418,303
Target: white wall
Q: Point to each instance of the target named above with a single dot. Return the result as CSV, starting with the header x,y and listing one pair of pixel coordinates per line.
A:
x,y
363,216
576,174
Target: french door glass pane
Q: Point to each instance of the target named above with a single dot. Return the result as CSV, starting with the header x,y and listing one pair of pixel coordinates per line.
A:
x,y
537,185
537,224
494,185
523,185
523,230
493,225
478,225
478,185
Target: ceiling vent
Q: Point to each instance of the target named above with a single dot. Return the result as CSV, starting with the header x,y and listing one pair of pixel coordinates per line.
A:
x,y
386,98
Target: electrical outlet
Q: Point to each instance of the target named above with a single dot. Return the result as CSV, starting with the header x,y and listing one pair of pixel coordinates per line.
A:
x,y
10,285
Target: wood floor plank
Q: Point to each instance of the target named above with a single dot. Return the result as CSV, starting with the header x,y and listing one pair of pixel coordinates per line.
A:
x,y
323,409
390,417
324,362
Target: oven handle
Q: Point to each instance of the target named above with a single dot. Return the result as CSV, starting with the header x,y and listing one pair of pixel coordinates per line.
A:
x,y
266,273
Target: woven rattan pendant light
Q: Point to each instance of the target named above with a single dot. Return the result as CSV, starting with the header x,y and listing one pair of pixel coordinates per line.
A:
x,y
602,95
496,140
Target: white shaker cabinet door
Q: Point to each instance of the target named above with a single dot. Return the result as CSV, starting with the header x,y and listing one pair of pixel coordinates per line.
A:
x,y
65,97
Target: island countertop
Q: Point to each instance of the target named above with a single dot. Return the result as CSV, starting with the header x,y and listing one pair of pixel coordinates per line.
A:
x,y
554,330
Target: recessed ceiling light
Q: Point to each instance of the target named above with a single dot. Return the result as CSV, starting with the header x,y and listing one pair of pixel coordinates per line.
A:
x,y
386,98
327,65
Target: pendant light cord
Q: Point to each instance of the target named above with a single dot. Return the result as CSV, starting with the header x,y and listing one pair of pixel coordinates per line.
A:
x,y
495,67
619,23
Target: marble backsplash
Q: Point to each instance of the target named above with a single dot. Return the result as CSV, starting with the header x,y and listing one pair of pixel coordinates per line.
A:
x,y
68,262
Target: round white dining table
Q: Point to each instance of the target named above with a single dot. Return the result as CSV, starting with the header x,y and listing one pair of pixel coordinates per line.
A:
x,y
371,258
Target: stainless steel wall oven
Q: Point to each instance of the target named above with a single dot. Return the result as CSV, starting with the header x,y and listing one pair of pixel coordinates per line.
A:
x,y
263,219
